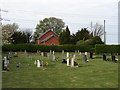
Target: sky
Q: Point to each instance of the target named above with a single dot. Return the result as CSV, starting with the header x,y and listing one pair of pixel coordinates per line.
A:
x,y
76,14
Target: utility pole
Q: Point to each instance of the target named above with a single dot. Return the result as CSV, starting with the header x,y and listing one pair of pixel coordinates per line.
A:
x,y
104,33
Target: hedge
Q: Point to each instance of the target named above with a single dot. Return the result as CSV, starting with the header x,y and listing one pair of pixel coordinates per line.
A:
x,y
46,48
99,48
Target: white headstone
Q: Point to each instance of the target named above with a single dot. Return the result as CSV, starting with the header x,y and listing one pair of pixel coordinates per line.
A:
x,y
72,62
67,54
85,53
78,51
42,54
68,62
38,63
5,58
53,52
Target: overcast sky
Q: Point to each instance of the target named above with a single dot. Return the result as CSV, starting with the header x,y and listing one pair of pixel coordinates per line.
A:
x,y
76,14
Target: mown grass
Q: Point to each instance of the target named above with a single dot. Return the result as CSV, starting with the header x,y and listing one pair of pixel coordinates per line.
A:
x,y
94,74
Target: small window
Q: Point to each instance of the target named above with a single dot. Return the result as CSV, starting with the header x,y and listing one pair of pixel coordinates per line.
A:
x,y
52,44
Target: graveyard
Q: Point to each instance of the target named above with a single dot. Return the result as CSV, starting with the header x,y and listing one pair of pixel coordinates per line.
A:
x,y
58,70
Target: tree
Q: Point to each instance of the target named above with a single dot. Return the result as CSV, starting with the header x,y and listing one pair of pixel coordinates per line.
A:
x,y
52,23
83,34
28,34
92,41
97,29
19,37
7,31
65,37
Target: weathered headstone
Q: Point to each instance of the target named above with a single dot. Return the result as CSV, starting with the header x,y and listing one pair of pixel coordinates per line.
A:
x,y
53,57
62,51
25,51
104,57
72,62
85,58
50,51
48,55
5,58
35,62
42,54
80,53
45,54
91,55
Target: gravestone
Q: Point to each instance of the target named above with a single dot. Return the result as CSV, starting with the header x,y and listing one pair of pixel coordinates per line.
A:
x,y
113,58
53,57
3,64
62,51
38,63
72,62
74,56
91,55
35,62
64,61
85,58
85,53
5,58
45,54
53,52
25,51
104,57
68,59
42,54
48,55
80,53
50,51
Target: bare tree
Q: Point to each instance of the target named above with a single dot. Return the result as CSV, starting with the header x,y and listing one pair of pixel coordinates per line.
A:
x,y
97,29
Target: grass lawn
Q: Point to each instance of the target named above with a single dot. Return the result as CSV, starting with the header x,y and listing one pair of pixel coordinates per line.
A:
x,y
94,74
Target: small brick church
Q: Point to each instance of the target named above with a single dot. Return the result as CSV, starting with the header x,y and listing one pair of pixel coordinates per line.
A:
x,y
48,38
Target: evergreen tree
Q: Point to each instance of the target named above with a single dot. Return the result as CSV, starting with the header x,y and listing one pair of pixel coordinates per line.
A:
x,y
65,37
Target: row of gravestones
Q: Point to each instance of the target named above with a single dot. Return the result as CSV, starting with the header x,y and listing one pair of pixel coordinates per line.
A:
x,y
5,62
73,62
112,57
40,63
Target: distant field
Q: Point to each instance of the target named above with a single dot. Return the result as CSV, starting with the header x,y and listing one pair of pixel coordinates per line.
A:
x,y
94,74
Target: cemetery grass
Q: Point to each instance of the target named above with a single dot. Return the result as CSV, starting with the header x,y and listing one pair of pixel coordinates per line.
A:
x,y
94,74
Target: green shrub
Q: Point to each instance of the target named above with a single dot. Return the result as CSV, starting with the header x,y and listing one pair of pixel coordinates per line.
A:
x,y
106,48
46,48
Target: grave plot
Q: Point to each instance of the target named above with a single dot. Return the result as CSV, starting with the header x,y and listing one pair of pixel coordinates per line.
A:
x,y
35,70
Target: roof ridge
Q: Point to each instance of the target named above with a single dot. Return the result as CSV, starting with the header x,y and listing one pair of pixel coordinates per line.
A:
x,y
45,33
47,38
